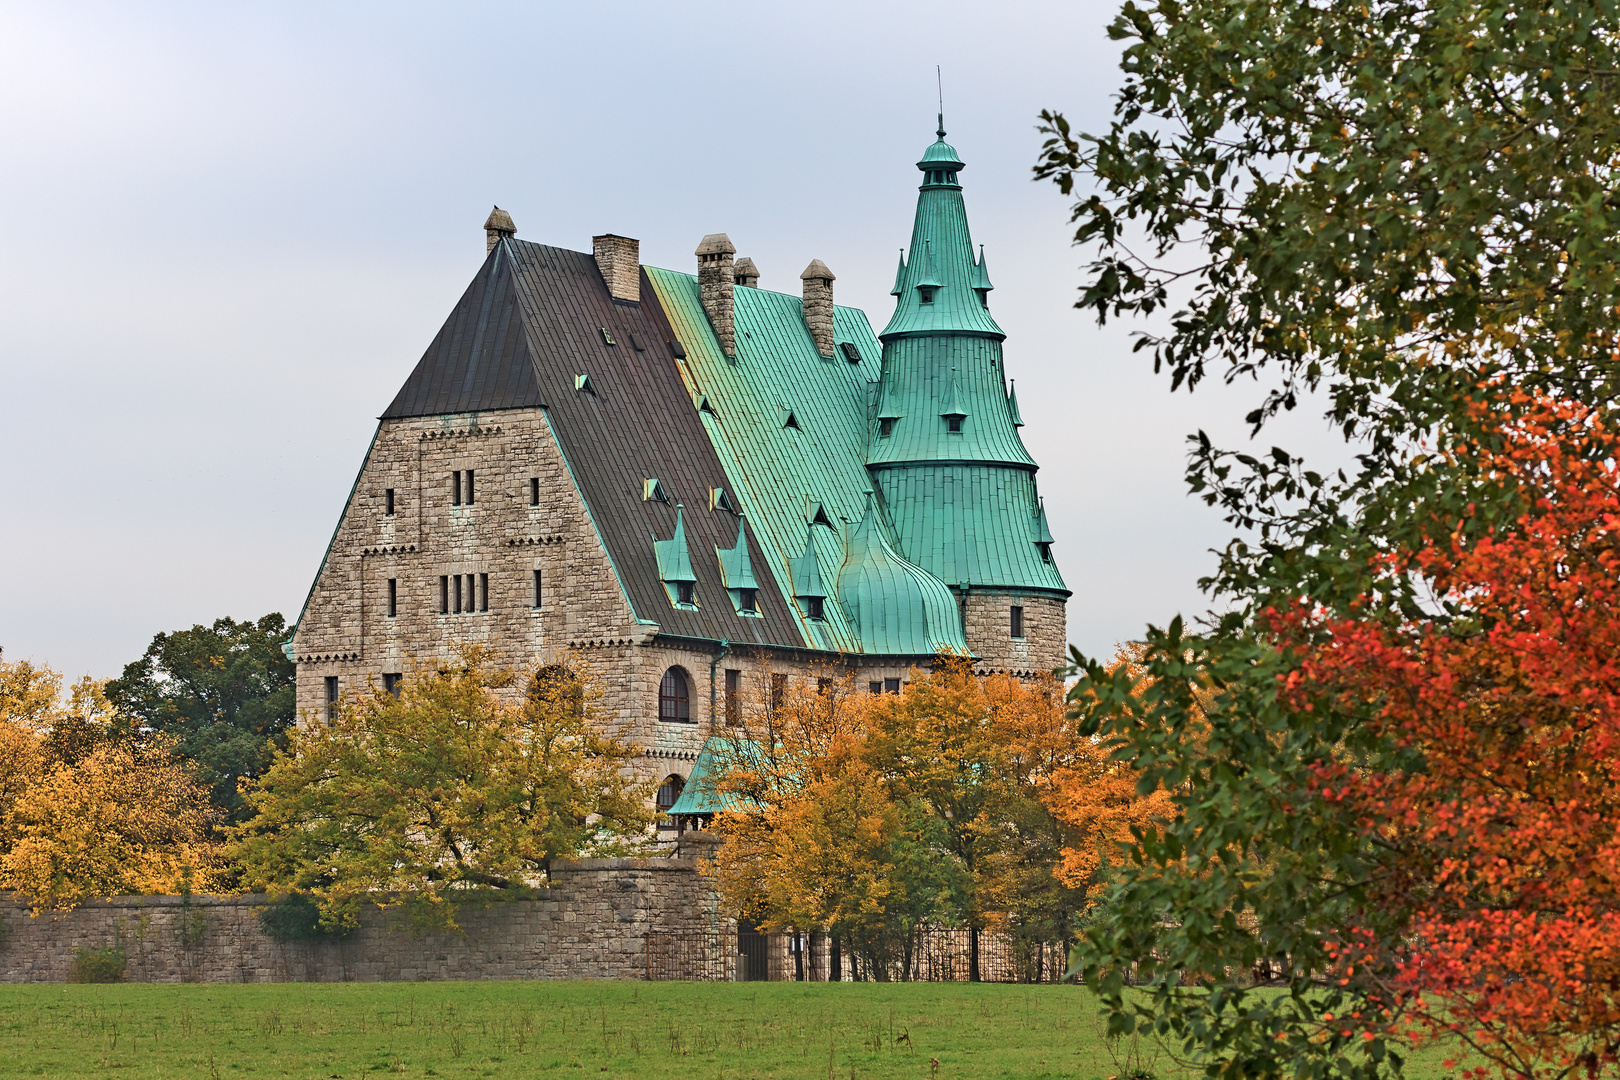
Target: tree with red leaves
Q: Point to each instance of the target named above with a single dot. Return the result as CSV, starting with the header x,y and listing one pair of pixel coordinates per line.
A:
x,y
1498,815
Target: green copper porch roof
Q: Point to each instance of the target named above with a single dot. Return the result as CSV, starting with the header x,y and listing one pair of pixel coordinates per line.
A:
x,y
701,794
778,473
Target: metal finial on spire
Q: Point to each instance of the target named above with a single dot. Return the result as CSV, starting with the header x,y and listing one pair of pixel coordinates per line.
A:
x,y
940,81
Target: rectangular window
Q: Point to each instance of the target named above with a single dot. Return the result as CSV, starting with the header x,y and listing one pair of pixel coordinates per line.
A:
x,y
683,593
393,597
733,696
539,594
483,592
331,697
748,600
534,491
824,687
472,594
813,608
875,686
885,428
953,424
469,487
778,691
391,681
388,500
1017,621
458,593
444,594
455,489
891,686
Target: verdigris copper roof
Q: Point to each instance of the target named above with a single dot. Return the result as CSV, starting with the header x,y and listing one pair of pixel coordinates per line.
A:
x,y
781,474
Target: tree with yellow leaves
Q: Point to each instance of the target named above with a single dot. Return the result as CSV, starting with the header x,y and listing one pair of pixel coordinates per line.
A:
x,y
448,791
86,810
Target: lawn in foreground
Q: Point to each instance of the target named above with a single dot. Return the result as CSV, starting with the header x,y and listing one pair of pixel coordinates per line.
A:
x,y
755,1030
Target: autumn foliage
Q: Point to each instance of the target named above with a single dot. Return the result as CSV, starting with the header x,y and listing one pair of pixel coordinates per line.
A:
x,y
966,800
1498,817
88,808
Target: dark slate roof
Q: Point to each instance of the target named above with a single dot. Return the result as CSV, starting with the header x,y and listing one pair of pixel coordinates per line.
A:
x,y
480,359
527,327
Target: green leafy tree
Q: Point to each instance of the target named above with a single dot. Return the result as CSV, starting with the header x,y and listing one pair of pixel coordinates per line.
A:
x,y
446,792
1402,208
222,695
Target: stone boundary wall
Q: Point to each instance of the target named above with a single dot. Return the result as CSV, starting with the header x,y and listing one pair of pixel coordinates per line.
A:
x,y
592,923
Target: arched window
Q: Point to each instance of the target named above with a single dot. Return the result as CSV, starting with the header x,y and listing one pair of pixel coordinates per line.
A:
x,y
669,791
555,686
675,697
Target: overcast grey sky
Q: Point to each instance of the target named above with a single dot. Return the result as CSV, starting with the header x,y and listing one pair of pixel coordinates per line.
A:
x,y
227,233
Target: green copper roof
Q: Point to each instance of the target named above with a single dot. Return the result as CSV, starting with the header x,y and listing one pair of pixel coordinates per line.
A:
x,y
897,607
1013,414
700,795
941,258
927,379
776,473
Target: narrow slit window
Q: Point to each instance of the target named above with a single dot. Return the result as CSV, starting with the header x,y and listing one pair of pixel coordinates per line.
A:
x,y
388,500
444,594
458,593
1017,620
393,597
778,690
469,487
483,592
733,696
539,593
534,491
472,594
331,697
455,488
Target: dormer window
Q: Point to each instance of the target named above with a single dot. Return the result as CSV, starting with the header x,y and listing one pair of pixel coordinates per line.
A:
x,y
926,294
683,593
748,600
953,424
885,428
815,608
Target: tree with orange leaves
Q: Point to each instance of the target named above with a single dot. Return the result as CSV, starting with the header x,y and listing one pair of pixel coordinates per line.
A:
x,y
1498,820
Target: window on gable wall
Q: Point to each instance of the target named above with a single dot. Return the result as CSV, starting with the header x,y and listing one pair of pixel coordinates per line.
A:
x,y
388,500
534,491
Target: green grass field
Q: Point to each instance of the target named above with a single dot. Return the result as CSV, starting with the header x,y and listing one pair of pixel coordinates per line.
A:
x,y
770,1031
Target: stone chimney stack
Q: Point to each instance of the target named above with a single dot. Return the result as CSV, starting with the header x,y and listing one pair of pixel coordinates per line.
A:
x,y
497,225
716,279
619,259
818,305
746,273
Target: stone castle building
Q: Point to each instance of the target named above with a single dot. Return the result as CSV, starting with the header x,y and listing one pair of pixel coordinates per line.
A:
x,y
700,485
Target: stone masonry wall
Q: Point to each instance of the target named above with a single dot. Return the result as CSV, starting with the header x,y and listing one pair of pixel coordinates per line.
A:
x,y
591,924
988,622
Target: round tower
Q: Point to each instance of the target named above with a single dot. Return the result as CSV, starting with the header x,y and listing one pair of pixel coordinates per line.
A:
x,y
957,483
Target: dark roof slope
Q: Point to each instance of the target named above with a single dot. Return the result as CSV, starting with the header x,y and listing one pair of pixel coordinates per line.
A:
x,y
480,358
636,423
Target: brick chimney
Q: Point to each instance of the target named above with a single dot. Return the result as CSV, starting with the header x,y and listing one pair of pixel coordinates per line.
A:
x,y
619,259
746,273
716,279
818,305
496,226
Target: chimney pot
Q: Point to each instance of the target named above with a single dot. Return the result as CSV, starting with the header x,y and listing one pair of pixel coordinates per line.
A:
x,y
746,273
497,226
716,280
818,305
619,259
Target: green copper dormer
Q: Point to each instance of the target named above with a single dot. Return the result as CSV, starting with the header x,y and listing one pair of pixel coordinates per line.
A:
x,y
675,564
894,606
1013,414
936,284
981,280
737,572
900,276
